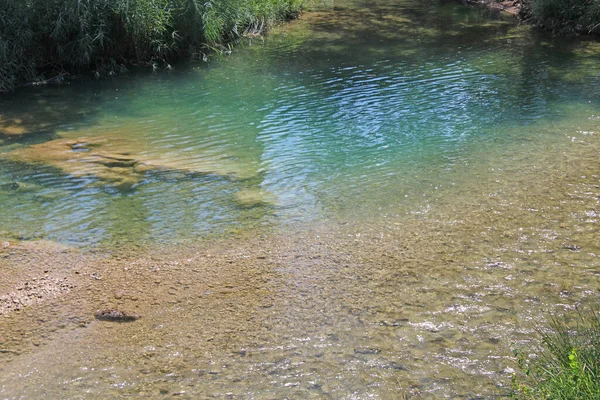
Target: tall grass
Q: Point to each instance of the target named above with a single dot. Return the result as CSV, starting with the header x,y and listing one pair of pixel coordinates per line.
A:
x,y
564,16
568,367
41,36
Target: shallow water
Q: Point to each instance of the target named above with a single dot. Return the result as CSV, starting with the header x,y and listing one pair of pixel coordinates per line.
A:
x,y
372,201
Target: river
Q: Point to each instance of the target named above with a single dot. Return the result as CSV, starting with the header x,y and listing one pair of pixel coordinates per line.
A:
x,y
378,200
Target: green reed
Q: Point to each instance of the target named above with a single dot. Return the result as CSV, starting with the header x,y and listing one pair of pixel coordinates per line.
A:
x,y
564,16
46,36
568,366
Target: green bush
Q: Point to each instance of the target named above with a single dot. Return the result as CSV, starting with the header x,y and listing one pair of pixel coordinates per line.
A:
x,y
16,60
566,16
568,367
37,36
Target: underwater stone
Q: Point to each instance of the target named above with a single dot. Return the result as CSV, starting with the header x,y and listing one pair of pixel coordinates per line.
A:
x,y
12,187
250,198
114,316
367,351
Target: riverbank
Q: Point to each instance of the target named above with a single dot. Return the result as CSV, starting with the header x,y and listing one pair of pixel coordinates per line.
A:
x,y
512,7
43,41
560,17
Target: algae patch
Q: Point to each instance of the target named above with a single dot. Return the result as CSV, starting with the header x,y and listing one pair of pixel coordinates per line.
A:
x,y
11,127
112,159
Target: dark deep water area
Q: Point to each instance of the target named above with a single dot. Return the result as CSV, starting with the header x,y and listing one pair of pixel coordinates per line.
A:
x,y
379,199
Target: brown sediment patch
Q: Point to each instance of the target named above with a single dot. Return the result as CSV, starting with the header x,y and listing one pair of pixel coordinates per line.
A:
x,y
112,158
82,157
33,245
317,5
22,124
345,24
391,31
122,153
11,127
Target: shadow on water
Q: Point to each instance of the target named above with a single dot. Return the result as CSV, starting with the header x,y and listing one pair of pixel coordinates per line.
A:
x,y
414,33
34,115
408,30
37,114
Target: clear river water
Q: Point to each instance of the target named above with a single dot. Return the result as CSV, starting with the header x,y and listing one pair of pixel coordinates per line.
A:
x,y
375,201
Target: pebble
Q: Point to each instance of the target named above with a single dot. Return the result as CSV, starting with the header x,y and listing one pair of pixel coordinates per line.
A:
x,y
367,351
114,316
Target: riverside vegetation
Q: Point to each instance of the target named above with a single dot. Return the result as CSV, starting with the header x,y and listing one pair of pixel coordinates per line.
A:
x,y
40,37
564,16
568,367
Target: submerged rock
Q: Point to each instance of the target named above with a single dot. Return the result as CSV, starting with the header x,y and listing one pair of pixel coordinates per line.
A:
x,y
250,198
10,187
367,350
19,187
115,316
120,160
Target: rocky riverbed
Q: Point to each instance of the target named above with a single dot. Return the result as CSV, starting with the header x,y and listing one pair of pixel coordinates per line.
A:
x,y
377,308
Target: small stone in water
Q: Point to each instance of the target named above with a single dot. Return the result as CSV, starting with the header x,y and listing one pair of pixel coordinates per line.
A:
x,y
367,351
396,366
114,316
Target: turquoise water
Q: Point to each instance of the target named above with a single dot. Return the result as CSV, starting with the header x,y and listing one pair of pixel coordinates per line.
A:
x,y
338,113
